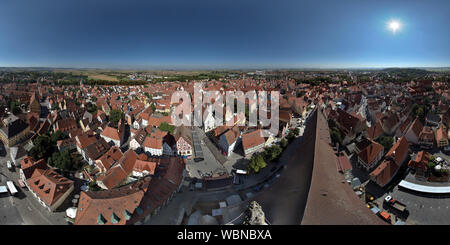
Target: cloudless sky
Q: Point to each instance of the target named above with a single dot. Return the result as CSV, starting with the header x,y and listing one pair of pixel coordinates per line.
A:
x,y
190,34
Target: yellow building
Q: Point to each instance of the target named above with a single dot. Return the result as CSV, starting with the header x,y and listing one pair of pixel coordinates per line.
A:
x,y
14,130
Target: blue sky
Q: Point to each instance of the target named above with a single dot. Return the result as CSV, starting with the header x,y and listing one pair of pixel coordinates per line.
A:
x,y
223,33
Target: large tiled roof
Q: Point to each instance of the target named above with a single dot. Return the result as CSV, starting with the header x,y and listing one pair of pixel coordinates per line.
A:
x,y
49,185
331,201
111,207
28,165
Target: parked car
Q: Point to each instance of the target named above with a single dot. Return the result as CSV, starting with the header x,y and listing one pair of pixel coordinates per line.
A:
x,y
12,188
9,165
395,204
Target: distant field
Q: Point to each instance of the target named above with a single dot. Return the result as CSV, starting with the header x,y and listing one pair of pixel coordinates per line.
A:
x,y
102,77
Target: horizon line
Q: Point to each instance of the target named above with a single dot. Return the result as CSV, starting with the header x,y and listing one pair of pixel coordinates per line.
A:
x,y
223,68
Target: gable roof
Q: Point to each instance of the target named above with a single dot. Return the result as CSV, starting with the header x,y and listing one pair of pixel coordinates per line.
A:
x,y
252,139
120,171
111,133
112,156
110,207
13,126
375,131
148,166
231,135
183,132
49,185
28,166
369,153
97,149
399,150
416,127
155,140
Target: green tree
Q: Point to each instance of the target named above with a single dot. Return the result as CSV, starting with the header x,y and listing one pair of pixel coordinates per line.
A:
x,y
167,127
272,152
148,95
93,186
283,143
43,147
290,136
61,160
115,116
386,142
420,113
91,108
257,163
335,135
58,135
15,107
296,131
431,165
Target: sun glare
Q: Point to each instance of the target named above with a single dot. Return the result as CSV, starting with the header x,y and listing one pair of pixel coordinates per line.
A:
x,y
394,26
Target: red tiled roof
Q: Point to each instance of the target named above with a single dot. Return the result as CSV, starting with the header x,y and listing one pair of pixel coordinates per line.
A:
x,y
421,161
252,139
111,207
28,166
232,135
369,153
155,140
343,163
441,134
111,133
393,160
141,166
112,156
119,172
416,127
375,131
49,185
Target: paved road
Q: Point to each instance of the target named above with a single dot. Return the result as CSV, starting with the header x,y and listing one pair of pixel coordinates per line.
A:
x,y
285,200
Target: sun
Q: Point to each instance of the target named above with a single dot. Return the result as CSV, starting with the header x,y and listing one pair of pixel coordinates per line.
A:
x,y
394,25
